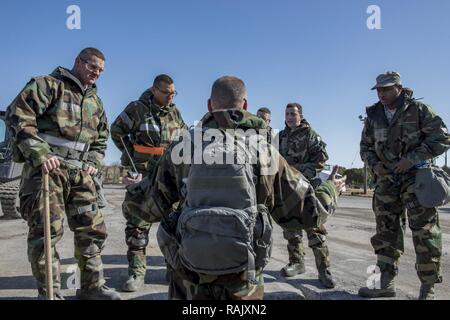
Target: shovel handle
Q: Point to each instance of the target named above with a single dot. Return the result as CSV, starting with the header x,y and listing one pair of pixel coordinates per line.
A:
x,y
47,239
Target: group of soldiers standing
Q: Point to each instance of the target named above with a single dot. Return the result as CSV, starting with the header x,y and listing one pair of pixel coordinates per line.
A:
x,y
60,127
304,150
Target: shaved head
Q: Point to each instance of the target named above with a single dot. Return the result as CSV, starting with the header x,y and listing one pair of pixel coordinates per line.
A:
x,y
228,93
87,54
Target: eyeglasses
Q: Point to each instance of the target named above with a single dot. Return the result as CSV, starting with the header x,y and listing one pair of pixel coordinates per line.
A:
x,y
167,93
92,67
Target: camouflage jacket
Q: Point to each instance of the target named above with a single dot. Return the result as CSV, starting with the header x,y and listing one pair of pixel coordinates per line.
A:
x,y
58,105
146,130
415,133
285,192
303,149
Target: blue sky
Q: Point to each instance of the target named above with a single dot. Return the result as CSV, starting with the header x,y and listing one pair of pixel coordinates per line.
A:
x,y
319,53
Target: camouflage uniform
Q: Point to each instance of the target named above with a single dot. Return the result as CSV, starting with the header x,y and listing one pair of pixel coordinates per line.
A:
x,y
282,193
303,149
417,134
146,129
58,107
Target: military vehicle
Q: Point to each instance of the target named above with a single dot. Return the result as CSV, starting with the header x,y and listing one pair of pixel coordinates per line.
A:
x,y
10,173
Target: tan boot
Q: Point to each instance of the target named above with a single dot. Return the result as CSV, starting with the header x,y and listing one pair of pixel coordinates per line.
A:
x,y
296,253
134,283
293,269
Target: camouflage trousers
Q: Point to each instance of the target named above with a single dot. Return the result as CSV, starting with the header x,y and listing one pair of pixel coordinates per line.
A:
x,y
228,287
394,194
317,241
136,232
72,194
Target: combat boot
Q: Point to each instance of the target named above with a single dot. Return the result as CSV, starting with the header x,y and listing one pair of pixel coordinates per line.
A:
x,y
326,278
98,293
321,256
387,288
293,268
134,283
426,292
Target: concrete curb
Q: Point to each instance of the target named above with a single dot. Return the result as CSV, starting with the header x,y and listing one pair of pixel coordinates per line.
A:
x,y
313,293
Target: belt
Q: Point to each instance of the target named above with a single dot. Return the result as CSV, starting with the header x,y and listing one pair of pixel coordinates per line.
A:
x,y
148,150
67,149
74,163
71,154
61,142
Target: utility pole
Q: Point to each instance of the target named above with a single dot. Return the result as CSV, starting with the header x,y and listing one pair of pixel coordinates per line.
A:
x,y
363,119
365,178
446,159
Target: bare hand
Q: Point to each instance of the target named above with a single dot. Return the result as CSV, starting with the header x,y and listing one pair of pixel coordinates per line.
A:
x,y
50,164
380,170
127,180
403,165
338,182
91,171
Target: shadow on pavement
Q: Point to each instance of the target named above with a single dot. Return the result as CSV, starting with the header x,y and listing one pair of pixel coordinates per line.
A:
x,y
18,298
283,295
152,296
17,283
319,292
273,276
116,277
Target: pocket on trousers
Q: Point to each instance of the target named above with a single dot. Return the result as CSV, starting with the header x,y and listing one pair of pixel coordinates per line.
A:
x,y
86,215
29,196
28,203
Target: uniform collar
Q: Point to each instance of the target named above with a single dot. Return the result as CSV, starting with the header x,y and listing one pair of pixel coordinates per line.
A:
x,y
61,72
232,119
147,99
304,125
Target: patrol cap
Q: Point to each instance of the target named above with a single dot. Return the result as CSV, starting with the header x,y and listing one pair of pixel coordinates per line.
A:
x,y
388,79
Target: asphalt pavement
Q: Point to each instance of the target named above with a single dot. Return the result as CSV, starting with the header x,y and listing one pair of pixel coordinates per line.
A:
x,y
349,231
